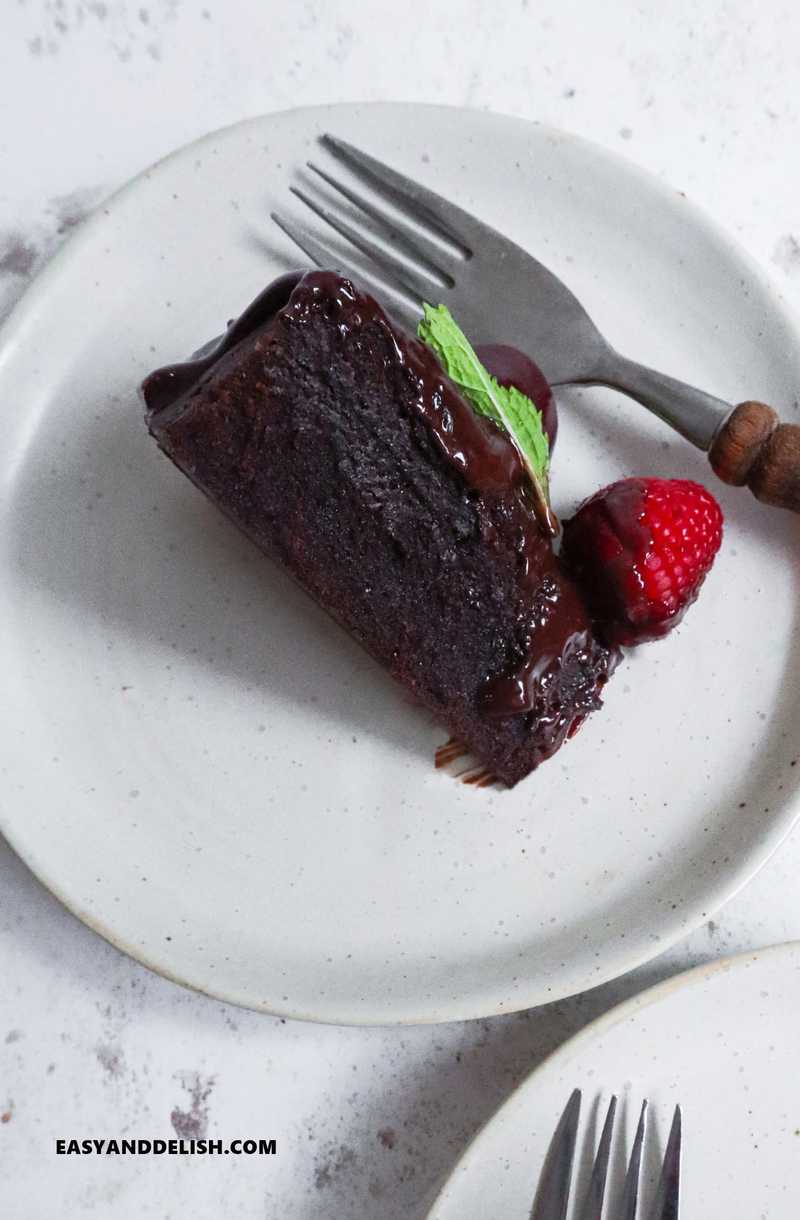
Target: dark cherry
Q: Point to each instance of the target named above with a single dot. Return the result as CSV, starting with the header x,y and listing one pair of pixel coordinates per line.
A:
x,y
512,367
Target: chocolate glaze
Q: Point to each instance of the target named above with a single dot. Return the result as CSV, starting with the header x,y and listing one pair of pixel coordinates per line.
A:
x,y
473,445
169,384
558,627
508,364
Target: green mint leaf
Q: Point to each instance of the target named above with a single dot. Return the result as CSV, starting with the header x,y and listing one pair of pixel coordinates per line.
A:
x,y
506,405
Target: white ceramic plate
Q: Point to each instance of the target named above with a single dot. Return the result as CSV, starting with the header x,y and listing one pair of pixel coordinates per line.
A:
x,y
721,1041
210,773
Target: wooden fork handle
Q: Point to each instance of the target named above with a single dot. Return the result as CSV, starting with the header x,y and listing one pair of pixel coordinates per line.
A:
x,y
755,448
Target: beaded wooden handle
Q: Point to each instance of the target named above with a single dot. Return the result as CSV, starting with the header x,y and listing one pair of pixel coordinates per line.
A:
x,y
755,448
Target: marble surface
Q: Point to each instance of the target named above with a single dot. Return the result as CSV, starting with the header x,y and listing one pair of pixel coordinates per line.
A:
x,y
701,93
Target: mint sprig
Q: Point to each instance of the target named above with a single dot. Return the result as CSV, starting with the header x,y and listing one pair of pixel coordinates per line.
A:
x,y
512,410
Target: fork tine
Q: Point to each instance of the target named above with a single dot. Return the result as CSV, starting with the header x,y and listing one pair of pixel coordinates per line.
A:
x,y
414,283
669,1185
630,1193
430,255
592,1208
444,217
323,256
552,1194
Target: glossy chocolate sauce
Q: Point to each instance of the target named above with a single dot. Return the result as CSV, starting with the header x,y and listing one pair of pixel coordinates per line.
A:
x,y
558,626
475,446
166,386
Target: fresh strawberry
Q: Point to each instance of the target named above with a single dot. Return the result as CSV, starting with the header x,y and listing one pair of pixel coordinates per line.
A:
x,y
641,549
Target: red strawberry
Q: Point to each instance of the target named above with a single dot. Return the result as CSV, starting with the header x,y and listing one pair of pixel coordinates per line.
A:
x,y
641,549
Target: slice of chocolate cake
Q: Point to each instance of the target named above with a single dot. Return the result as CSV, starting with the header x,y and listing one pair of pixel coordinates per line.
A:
x,y
337,443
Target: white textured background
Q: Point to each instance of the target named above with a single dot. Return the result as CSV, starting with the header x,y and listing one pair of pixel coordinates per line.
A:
x,y
703,94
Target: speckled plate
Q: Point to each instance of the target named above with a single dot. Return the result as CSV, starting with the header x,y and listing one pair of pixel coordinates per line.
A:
x,y
211,774
721,1041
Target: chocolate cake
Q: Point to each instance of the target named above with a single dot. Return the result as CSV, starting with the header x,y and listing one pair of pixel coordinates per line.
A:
x,y
337,443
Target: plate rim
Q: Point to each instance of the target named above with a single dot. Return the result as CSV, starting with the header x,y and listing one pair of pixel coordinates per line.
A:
x,y
471,1008
600,1025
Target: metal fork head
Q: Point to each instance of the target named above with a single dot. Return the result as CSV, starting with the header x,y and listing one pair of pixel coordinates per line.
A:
x,y
555,1184
410,245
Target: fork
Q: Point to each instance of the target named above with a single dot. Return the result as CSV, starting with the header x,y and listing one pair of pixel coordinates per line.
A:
x,y
500,293
553,1193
